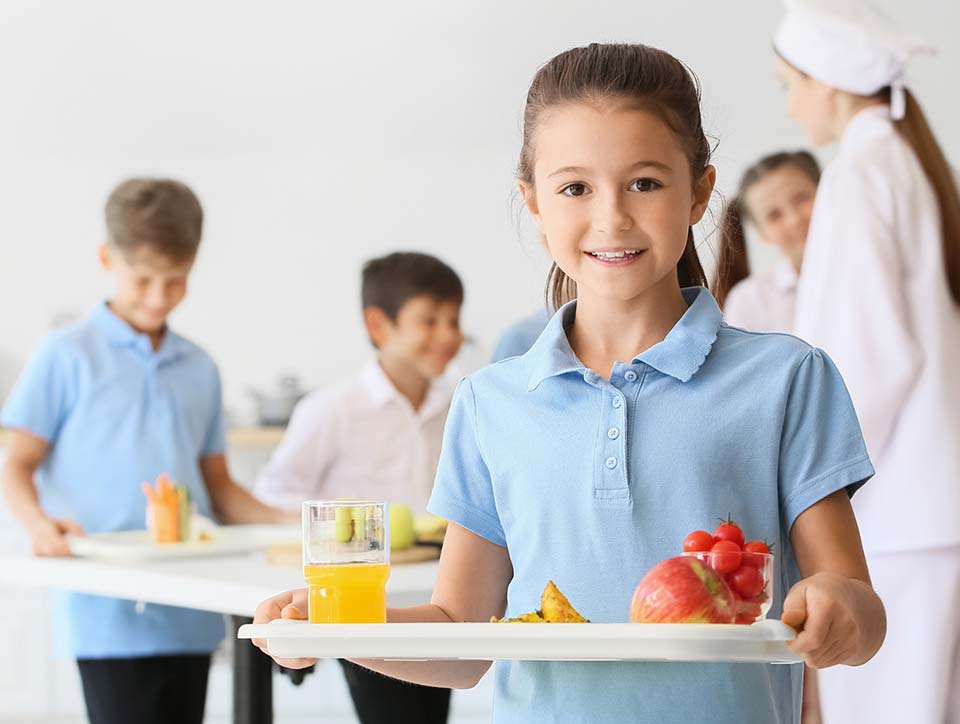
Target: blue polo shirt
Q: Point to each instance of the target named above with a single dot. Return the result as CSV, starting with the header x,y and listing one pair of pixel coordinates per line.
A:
x,y
591,483
116,413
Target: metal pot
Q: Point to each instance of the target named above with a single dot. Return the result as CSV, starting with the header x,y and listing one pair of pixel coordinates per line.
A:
x,y
276,407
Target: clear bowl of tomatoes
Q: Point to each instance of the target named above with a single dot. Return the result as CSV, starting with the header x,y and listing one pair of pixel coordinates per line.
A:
x,y
746,566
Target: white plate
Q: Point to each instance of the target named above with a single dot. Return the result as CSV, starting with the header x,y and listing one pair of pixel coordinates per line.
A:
x,y
227,540
763,642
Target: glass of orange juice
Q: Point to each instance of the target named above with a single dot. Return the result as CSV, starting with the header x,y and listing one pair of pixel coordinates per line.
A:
x,y
346,560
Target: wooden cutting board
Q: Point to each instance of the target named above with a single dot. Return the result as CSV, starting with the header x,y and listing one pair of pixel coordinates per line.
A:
x,y
289,554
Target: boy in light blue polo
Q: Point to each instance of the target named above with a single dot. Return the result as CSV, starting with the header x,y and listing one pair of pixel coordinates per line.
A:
x,y
103,405
778,433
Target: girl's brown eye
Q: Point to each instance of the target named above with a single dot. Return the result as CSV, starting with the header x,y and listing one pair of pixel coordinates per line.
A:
x,y
574,190
645,184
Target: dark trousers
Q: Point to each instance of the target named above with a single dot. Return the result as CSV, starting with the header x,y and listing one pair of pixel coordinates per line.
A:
x,y
378,699
149,690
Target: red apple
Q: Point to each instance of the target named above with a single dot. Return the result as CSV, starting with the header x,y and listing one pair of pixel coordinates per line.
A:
x,y
682,590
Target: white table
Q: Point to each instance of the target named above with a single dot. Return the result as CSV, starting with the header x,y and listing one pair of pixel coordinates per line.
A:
x,y
231,585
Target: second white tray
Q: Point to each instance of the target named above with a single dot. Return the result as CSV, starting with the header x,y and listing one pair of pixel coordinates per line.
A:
x,y
134,545
763,642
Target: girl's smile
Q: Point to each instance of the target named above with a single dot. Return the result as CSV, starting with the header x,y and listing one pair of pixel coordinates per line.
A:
x,y
615,256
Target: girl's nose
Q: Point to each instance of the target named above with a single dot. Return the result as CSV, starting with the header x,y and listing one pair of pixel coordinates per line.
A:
x,y
610,215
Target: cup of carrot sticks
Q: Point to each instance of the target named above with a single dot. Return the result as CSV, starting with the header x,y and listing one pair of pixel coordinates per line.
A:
x,y
169,510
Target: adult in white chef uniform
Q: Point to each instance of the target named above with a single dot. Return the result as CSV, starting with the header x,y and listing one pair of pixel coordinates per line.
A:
x,y
879,291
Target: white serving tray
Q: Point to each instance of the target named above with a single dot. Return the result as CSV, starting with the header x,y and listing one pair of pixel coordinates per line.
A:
x,y
763,642
226,540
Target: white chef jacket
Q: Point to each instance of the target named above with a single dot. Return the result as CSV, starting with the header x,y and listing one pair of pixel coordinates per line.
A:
x,y
764,302
873,294
362,439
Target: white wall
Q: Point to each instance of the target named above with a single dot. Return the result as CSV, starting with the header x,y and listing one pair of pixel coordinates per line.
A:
x,y
318,135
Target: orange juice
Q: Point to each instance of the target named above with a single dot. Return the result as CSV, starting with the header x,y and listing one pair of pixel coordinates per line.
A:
x,y
347,592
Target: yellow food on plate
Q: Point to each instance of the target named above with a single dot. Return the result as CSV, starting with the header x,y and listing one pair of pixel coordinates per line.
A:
x,y
554,608
535,617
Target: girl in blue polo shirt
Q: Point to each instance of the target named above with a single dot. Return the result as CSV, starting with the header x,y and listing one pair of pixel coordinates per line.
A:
x,y
635,417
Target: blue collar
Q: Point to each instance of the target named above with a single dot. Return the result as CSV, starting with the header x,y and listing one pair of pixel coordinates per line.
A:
x,y
680,355
120,334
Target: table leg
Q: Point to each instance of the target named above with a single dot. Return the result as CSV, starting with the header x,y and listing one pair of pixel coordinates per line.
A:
x,y
252,680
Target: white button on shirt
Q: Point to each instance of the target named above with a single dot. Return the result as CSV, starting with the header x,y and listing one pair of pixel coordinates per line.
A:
x,y
361,439
764,302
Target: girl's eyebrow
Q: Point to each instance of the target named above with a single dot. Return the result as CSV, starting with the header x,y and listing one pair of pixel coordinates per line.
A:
x,y
638,165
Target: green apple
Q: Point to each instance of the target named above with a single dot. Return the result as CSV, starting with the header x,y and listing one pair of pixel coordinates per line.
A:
x,y
401,527
343,524
430,528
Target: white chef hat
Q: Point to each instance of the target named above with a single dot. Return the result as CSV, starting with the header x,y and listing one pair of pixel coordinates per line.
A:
x,y
850,45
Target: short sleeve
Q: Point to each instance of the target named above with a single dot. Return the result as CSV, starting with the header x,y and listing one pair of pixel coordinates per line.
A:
x,y
215,441
821,446
40,400
463,490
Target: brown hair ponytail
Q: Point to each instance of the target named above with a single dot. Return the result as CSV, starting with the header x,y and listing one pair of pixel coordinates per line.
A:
x,y
732,264
914,129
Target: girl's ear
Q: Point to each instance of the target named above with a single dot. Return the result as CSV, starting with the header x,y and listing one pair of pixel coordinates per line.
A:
x,y
103,255
529,195
702,193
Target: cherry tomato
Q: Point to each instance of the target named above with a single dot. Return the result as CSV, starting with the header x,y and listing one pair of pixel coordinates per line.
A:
x,y
754,552
698,541
745,619
747,581
748,612
725,556
728,530
756,546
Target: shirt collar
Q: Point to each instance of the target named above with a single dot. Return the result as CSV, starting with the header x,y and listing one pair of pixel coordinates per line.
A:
x,y
865,125
784,275
680,355
381,391
120,334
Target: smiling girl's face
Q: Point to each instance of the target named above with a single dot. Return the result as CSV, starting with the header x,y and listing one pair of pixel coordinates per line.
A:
x,y
781,205
613,197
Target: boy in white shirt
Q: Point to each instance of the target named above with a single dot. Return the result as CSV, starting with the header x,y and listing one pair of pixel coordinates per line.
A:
x,y
378,435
